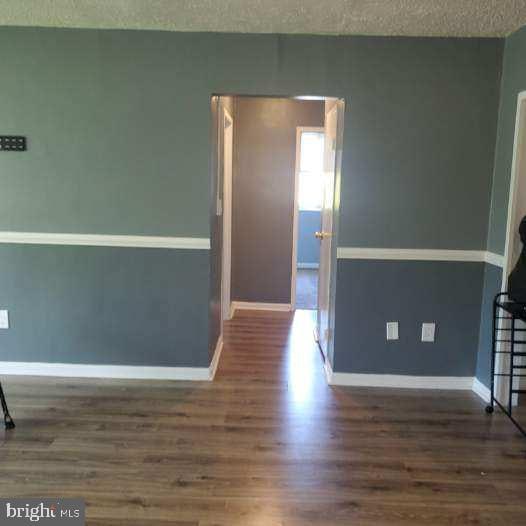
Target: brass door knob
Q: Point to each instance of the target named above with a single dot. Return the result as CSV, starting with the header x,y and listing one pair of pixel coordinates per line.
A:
x,y
321,235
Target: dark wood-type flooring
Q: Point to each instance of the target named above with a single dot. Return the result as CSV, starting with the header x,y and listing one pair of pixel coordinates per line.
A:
x,y
267,443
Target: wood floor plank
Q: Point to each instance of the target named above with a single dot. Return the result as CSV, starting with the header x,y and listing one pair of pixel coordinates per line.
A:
x,y
267,443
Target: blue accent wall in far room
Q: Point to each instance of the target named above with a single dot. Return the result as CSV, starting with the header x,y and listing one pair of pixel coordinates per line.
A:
x,y
308,246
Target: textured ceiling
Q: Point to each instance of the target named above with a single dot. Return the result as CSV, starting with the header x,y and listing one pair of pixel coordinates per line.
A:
x,y
361,17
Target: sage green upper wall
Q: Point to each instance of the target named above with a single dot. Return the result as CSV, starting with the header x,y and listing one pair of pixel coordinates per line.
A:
x,y
118,128
513,82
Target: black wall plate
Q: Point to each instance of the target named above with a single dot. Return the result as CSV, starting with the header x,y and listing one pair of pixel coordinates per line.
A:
x,y
12,143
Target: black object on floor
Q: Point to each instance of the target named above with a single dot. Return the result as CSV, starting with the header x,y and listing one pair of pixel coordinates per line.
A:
x,y
8,421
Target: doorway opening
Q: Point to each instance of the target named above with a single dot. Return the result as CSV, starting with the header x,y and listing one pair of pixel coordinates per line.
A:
x,y
310,144
276,164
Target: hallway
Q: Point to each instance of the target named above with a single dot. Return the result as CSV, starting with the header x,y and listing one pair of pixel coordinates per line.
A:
x,y
267,443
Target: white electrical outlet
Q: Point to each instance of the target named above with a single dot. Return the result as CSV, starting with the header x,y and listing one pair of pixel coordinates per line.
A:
x,y
428,332
392,330
4,319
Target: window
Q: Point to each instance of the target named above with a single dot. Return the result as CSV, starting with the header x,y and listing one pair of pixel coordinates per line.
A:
x,y
310,177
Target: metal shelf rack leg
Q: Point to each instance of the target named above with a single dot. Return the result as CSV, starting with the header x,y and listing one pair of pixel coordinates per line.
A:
x,y
491,407
506,309
8,421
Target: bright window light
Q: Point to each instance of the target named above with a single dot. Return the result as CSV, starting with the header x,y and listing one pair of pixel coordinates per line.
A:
x,y
311,170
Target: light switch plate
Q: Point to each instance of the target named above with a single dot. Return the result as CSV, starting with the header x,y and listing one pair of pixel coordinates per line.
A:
x,y
428,332
392,330
4,319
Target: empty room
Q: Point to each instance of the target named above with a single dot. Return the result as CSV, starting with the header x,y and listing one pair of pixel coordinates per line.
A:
x,y
262,263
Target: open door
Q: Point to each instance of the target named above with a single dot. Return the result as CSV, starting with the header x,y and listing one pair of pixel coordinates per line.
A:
x,y
227,124
333,134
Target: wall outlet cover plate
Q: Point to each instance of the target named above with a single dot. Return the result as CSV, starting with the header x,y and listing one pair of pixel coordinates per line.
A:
x,y
392,330
4,319
428,332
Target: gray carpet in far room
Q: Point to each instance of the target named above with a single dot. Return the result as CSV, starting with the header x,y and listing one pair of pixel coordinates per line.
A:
x,y
306,289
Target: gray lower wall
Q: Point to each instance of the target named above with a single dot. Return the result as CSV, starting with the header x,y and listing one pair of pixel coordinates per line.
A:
x,y
309,221
372,292
492,285
104,305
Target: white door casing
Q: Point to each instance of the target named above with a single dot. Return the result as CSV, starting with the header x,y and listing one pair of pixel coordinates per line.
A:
x,y
227,123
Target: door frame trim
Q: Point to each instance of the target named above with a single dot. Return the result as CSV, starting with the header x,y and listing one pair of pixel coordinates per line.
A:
x,y
226,255
338,174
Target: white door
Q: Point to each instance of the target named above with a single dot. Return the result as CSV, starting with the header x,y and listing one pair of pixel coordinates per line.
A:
x,y
228,136
333,132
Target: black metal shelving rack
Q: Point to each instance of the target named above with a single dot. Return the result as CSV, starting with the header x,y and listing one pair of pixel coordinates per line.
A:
x,y
509,334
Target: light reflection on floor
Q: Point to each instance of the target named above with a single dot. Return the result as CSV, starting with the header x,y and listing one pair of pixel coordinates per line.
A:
x,y
307,391
304,363
307,428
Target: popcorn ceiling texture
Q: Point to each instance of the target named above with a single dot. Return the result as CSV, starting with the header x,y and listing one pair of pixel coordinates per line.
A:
x,y
476,18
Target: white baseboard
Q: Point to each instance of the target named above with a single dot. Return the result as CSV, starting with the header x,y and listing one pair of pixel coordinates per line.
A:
x,y
465,383
215,359
314,266
132,372
480,389
251,305
137,372
400,381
